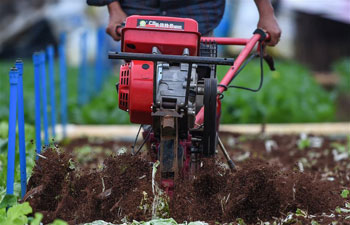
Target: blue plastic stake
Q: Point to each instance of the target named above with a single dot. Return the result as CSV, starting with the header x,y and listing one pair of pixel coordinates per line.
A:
x,y
107,62
12,131
82,81
44,98
99,60
21,131
63,72
50,55
36,62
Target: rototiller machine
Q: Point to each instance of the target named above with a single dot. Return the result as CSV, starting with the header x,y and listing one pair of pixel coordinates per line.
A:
x,y
169,86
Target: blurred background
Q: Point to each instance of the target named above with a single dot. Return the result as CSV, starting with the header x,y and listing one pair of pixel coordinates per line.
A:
x,y
311,82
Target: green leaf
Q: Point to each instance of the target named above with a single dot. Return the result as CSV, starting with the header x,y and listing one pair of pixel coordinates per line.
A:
x,y
300,212
37,219
304,143
17,215
313,222
338,210
345,193
71,164
59,222
240,221
8,201
3,144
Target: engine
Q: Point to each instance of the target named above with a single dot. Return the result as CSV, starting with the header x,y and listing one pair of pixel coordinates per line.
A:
x,y
174,93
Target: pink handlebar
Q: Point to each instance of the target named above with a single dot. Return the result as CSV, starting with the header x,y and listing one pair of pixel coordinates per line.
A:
x,y
249,45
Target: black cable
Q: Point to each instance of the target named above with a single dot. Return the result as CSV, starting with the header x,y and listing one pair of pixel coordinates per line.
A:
x,y
144,141
241,68
137,135
244,64
261,75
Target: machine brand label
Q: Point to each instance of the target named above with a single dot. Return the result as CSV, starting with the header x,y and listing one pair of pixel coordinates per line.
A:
x,y
142,23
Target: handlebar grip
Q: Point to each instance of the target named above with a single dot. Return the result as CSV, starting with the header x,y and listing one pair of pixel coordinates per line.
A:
x,y
264,36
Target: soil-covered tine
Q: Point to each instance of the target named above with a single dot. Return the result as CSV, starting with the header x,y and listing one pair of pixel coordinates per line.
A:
x,y
230,163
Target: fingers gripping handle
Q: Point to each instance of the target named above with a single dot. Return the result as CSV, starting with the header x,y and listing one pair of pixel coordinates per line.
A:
x,y
266,37
118,29
263,35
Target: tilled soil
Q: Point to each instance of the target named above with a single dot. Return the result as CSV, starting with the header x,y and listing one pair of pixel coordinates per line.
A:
x,y
269,184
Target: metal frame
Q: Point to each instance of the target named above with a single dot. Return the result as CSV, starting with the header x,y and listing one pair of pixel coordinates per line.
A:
x,y
226,80
170,58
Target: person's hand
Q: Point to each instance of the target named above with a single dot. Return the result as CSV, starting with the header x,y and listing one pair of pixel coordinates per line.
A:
x,y
116,17
269,24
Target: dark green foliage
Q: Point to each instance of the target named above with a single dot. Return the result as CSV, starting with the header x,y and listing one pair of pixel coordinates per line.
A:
x,y
342,68
289,94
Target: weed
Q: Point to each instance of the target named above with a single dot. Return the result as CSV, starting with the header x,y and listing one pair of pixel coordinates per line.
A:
x,y
345,193
240,221
300,212
303,142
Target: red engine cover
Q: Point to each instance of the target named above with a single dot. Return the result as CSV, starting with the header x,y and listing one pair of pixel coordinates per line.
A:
x,y
169,34
136,90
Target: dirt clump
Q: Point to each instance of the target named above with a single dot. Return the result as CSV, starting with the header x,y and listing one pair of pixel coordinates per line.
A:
x,y
201,193
110,194
47,181
252,194
257,191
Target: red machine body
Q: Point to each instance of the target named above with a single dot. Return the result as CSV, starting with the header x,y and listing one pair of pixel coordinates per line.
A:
x,y
170,35
136,90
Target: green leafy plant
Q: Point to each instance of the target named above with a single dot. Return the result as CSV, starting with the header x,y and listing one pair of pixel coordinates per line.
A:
x,y
30,157
8,201
300,212
37,219
17,214
304,143
314,222
289,94
342,68
345,193
240,221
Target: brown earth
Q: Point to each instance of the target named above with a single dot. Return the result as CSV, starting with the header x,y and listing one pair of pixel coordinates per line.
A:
x,y
267,185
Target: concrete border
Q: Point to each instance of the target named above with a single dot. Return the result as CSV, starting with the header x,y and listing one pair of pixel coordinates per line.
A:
x,y
129,131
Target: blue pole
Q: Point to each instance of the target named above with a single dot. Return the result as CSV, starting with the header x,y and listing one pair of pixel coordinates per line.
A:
x,y
36,62
12,131
99,60
51,56
21,131
62,58
44,97
106,62
82,81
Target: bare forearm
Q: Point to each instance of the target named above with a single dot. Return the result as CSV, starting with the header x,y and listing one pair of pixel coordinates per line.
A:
x,y
267,21
264,7
114,8
116,17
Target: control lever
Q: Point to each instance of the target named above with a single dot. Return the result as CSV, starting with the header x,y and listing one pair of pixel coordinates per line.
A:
x,y
269,60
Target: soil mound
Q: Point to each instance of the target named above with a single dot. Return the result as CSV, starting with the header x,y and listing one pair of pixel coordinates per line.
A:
x,y
257,191
59,190
122,189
